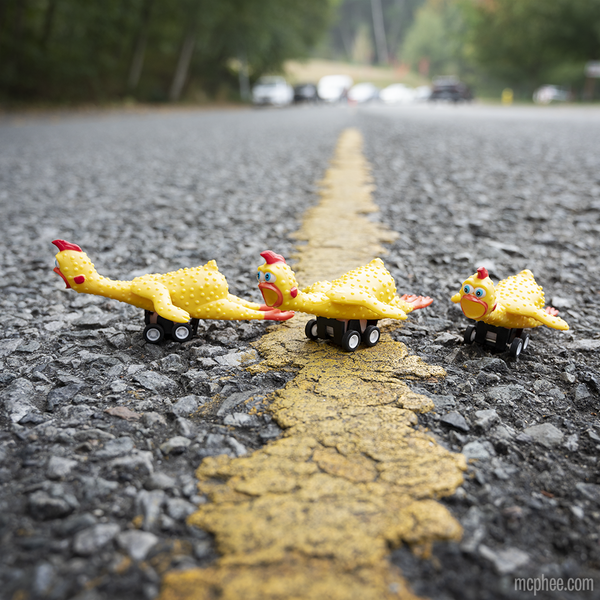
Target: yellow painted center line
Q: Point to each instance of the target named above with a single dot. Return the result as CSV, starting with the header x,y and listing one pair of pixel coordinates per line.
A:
x,y
313,515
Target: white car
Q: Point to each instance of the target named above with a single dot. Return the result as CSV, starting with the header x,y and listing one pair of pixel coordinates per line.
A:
x,y
272,90
397,93
333,88
363,92
550,93
422,93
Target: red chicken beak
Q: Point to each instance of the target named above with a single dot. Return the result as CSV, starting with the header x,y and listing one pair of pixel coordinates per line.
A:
x,y
271,294
57,270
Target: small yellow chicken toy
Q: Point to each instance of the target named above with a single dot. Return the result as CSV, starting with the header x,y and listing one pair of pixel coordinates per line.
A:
x,y
347,309
503,311
173,302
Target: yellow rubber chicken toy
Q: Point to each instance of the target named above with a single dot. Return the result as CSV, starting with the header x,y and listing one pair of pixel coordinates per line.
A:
x,y
348,306
516,303
176,298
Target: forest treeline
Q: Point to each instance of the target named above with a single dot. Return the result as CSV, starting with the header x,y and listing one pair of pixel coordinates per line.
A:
x,y
165,50
153,50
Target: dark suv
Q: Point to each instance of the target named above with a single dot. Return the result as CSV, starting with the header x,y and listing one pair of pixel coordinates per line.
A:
x,y
450,89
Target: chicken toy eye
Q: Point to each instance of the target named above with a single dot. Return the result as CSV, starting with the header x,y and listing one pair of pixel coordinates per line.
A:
x,y
467,289
56,263
479,292
258,276
270,278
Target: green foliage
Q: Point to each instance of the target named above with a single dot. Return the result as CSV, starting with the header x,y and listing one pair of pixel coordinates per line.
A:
x,y
354,16
88,50
437,36
525,42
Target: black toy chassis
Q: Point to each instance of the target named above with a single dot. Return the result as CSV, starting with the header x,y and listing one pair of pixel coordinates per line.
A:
x,y
158,327
347,334
498,338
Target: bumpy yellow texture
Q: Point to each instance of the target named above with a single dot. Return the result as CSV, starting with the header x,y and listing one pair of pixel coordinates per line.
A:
x,y
519,302
199,292
312,515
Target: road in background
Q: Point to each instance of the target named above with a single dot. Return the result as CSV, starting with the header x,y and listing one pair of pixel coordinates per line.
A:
x,y
94,505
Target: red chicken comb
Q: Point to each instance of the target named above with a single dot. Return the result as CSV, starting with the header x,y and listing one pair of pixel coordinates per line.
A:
x,y
482,273
271,258
63,245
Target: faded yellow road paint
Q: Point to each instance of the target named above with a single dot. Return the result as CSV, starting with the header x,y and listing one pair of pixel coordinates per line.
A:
x,y
313,514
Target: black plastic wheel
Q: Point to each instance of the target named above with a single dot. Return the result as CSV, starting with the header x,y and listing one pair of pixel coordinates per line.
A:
x,y
351,340
182,332
470,334
371,336
154,334
311,330
516,347
525,338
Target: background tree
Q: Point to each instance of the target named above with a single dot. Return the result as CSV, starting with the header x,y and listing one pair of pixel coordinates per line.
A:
x,y
104,49
529,42
436,40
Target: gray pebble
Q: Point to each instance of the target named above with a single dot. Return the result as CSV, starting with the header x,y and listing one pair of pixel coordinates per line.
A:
x,y
150,419
506,560
185,406
137,543
546,434
156,382
486,418
89,541
456,420
160,481
136,462
16,399
116,447
591,491
149,505
175,445
59,467
478,450
179,509
44,506
241,420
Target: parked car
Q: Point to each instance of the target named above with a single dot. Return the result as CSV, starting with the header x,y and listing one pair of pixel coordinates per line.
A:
x,y
333,88
450,89
550,93
363,92
397,93
305,92
272,90
422,93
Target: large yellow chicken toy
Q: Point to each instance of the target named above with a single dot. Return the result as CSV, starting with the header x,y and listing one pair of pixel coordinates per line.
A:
x,y
503,311
173,302
347,308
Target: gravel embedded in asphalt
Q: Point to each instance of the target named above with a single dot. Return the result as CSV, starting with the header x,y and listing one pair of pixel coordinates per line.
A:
x,y
100,433
509,190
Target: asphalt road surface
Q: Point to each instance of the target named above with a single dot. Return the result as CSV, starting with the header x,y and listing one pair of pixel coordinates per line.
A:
x,y
93,504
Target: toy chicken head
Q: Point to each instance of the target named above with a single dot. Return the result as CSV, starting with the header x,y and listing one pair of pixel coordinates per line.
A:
x,y
73,265
477,296
276,281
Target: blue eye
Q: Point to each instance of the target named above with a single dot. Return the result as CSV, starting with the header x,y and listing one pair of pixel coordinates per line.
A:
x,y
258,276
269,277
479,292
467,289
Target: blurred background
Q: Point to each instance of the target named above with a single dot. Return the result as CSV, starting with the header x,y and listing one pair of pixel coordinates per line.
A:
x,y
201,51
